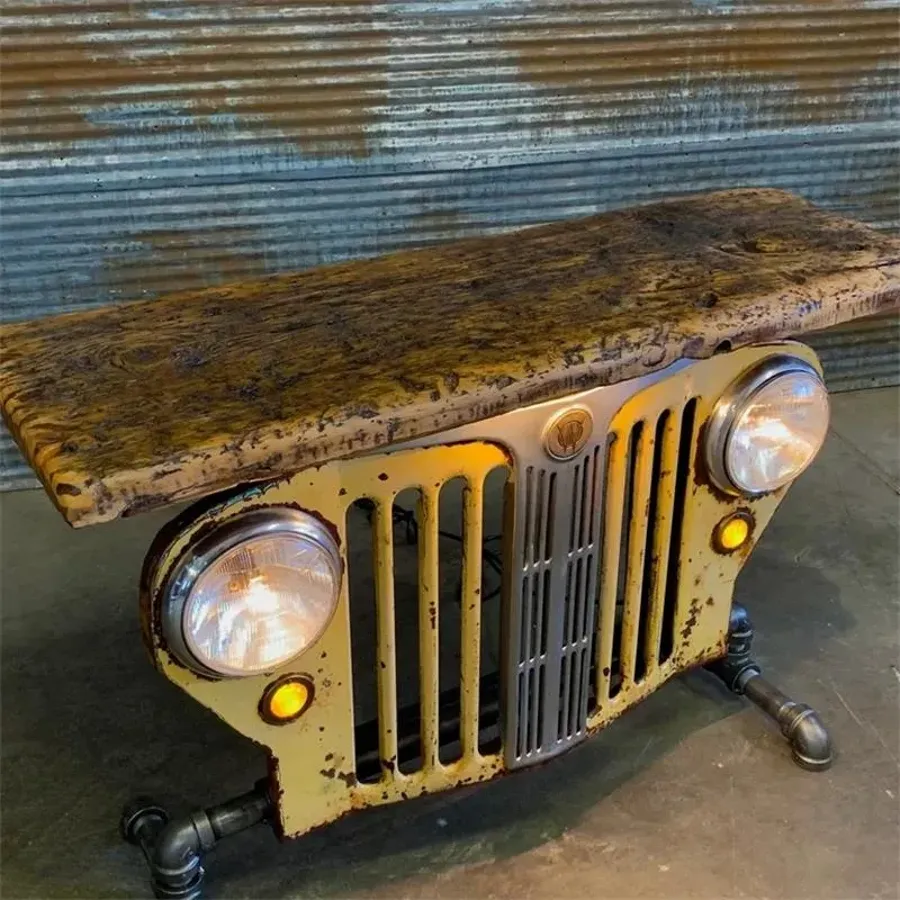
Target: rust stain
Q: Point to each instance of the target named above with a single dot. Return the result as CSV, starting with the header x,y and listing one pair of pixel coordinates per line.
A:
x,y
191,259
321,92
262,378
824,55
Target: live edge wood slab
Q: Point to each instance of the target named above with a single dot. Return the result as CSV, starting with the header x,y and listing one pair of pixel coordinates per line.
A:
x,y
132,407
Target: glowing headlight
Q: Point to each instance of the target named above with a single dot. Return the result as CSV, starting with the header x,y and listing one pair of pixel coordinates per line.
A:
x,y
252,594
768,427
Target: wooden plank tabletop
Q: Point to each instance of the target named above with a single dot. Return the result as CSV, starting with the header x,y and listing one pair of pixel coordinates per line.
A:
x,y
131,407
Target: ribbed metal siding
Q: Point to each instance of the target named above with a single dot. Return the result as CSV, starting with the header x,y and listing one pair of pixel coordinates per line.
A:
x,y
161,144
860,354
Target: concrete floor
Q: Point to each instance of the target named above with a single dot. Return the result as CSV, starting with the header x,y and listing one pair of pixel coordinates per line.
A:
x,y
692,795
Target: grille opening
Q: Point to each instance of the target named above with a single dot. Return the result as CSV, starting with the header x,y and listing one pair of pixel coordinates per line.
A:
x,y
496,514
529,515
579,645
540,503
535,616
595,494
531,688
562,718
368,762
624,548
673,576
539,644
648,582
450,555
407,513
576,698
575,506
584,501
363,628
547,519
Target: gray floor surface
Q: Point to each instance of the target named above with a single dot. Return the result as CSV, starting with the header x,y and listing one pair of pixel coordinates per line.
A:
x,y
692,795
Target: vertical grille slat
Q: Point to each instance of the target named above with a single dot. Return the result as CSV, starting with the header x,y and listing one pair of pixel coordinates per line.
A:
x,y
470,676
613,508
642,447
684,463
385,624
685,466
668,434
429,636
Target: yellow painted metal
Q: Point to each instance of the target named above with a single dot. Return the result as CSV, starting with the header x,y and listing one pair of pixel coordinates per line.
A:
x,y
637,542
612,540
660,556
706,578
429,625
387,639
471,618
314,757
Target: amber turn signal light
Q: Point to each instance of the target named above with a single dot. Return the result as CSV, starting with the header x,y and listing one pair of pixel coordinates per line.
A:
x,y
733,532
286,700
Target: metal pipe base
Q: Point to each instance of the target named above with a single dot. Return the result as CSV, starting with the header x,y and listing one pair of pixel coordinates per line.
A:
x,y
174,849
800,724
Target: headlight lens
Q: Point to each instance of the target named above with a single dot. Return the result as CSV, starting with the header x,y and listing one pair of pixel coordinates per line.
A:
x,y
254,594
769,427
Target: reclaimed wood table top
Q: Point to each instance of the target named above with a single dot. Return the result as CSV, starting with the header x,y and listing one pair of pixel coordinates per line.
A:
x,y
132,407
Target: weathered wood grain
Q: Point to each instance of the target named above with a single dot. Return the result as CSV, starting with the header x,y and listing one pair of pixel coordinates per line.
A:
x,y
132,407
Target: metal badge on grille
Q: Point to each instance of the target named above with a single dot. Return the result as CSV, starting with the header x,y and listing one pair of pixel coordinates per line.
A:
x,y
566,434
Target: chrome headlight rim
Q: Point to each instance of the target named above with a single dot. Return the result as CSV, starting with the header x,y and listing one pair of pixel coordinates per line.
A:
x,y
729,407
197,557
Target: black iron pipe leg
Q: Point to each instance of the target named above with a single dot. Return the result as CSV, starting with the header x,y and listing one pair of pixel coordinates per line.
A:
x,y
174,849
799,723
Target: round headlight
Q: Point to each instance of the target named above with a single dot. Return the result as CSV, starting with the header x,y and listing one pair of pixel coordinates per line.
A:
x,y
253,594
768,427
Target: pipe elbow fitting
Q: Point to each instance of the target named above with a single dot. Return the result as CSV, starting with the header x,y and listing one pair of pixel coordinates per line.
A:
x,y
808,737
176,860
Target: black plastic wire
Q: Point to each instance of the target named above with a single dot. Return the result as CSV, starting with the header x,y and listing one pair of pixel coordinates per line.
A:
x,y
407,518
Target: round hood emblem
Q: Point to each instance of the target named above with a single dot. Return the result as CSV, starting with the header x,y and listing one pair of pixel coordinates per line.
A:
x,y
567,432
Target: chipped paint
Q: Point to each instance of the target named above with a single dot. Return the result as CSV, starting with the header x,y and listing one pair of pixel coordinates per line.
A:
x,y
312,760
264,378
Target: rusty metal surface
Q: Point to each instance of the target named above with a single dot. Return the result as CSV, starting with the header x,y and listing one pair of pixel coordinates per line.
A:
x,y
160,144
315,776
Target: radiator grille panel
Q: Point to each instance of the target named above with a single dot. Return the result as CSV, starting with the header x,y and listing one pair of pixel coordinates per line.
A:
x,y
598,565
643,507
539,515
407,728
591,571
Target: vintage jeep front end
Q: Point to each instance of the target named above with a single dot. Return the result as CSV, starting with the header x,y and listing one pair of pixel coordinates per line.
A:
x,y
482,577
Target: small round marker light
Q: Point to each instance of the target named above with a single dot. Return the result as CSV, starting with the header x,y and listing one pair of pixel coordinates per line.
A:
x,y
286,700
733,532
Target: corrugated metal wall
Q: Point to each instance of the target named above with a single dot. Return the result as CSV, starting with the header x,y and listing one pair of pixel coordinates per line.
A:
x,y
151,145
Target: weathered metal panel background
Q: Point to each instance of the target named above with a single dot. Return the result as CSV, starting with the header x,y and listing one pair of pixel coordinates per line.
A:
x,y
152,145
